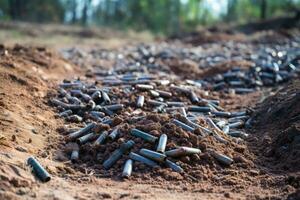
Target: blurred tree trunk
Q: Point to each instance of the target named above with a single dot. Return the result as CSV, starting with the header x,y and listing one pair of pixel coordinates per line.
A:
x,y
15,9
74,15
85,10
263,9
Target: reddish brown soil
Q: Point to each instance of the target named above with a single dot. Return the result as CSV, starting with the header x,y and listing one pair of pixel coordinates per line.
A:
x,y
276,134
28,127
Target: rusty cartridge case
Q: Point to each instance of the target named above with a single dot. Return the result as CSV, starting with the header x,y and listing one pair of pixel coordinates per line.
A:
x,y
182,151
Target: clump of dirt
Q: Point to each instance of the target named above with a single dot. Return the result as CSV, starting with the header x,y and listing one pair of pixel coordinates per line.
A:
x,y
278,128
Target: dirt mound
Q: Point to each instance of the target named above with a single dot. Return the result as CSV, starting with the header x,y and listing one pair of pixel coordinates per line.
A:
x,y
278,126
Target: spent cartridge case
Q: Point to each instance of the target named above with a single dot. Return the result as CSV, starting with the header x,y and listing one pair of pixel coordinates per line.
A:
x,y
182,151
84,139
105,98
82,131
164,93
173,166
221,114
238,118
154,93
175,104
74,156
159,108
96,96
182,125
114,107
156,103
180,89
194,125
144,87
193,97
65,113
117,154
159,157
74,118
142,159
199,109
145,136
102,137
140,101
221,123
239,134
162,143
38,169
212,124
86,97
236,124
226,129
127,170
239,114
221,157
114,134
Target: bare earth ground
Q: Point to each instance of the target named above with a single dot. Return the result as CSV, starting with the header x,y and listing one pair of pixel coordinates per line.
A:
x,y
28,126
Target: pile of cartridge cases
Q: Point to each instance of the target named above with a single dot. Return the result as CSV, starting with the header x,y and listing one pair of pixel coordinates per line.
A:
x,y
140,115
144,118
267,64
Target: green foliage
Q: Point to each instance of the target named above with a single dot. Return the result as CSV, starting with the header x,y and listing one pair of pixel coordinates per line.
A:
x,y
159,16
